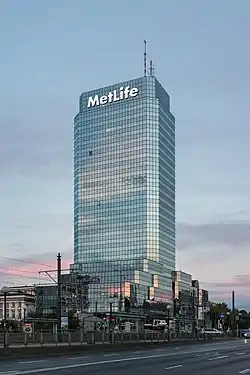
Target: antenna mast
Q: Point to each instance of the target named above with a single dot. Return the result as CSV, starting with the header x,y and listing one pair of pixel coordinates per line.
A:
x,y
145,58
151,68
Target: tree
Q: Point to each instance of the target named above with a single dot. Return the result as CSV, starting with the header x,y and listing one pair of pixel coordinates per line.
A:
x,y
219,312
73,321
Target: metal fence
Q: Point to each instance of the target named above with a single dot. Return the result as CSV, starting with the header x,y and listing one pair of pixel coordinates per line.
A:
x,y
79,337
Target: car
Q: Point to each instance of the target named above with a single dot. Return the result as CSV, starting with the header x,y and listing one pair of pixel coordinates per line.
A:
x,y
247,334
211,332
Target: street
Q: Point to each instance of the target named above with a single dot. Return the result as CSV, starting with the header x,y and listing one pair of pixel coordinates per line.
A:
x,y
229,357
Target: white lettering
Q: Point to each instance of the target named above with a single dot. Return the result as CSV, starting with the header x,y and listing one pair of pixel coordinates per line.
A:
x,y
115,96
110,96
133,92
126,92
121,93
93,102
103,99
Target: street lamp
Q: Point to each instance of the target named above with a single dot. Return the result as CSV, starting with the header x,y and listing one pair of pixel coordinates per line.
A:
x,y
24,315
5,290
228,321
111,301
168,319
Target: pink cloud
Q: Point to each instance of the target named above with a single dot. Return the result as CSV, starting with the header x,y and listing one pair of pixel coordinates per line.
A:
x,y
15,272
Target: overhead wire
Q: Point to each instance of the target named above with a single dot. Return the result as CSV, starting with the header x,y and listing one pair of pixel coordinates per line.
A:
x,y
26,261
18,270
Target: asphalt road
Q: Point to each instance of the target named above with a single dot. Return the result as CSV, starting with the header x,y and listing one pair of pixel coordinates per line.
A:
x,y
229,357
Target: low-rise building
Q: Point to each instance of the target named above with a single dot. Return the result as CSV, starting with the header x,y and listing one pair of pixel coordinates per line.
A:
x,y
184,301
19,304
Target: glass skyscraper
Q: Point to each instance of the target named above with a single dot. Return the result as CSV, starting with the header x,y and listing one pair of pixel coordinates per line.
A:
x,y
124,192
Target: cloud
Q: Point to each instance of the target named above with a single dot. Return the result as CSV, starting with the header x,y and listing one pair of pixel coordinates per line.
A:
x,y
25,271
232,234
38,144
218,255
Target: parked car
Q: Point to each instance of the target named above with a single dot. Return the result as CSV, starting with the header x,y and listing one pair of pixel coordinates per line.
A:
x,y
211,332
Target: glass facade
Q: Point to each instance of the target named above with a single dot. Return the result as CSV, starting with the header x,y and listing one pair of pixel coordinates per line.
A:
x,y
124,192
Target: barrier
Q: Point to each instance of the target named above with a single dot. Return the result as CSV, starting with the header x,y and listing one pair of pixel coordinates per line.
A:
x,y
41,344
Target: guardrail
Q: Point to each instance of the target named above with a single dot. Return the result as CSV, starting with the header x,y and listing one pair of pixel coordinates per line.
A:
x,y
41,338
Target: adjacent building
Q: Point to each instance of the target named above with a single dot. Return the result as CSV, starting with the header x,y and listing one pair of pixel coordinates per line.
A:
x,y
191,303
124,193
74,295
18,305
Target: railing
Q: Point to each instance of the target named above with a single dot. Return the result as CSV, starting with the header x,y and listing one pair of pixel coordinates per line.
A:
x,y
45,338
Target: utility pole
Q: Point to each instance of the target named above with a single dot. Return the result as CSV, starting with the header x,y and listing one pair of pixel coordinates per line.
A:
x,y
233,301
233,312
59,300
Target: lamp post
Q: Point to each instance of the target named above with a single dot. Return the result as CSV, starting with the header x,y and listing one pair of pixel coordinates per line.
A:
x,y
24,315
110,318
228,321
168,320
5,290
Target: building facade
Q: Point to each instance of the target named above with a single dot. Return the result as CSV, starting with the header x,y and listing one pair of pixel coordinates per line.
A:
x,y
124,193
74,295
18,305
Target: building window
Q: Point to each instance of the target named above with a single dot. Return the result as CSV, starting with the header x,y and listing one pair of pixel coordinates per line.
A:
x,y
90,153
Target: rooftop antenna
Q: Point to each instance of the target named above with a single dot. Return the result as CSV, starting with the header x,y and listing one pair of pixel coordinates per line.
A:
x,y
151,69
145,58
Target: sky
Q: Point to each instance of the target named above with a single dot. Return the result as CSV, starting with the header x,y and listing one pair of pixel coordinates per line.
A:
x,y
51,51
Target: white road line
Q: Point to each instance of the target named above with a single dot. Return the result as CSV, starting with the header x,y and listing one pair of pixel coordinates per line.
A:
x,y
241,353
73,358
79,365
87,364
207,354
138,352
111,355
244,371
159,350
27,362
221,357
172,367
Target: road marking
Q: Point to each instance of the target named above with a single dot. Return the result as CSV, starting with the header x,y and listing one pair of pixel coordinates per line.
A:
x,y
221,357
241,353
138,352
207,354
160,350
26,362
87,364
244,371
77,358
172,367
111,355
79,365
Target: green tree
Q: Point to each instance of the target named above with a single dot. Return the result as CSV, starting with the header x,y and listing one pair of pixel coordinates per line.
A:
x,y
73,321
219,311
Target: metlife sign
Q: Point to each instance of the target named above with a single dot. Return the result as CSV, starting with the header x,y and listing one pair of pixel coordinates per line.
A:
x,y
114,96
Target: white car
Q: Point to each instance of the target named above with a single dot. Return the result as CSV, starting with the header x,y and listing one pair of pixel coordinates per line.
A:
x,y
211,331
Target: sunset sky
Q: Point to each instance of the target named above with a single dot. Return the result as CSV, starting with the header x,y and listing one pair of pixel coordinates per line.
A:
x,y
51,51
